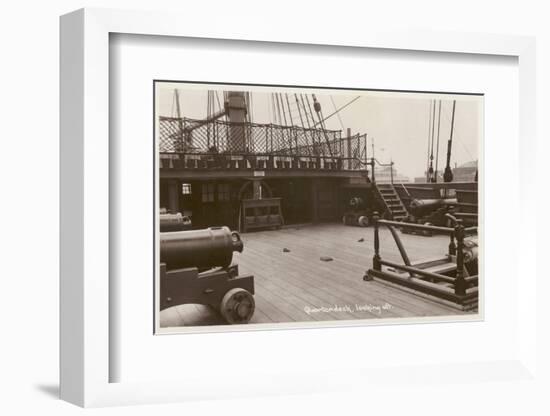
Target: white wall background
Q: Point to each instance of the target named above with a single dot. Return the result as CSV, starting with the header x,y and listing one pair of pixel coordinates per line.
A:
x,y
29,116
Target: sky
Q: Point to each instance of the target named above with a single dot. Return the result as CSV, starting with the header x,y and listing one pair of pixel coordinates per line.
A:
x,y
397,122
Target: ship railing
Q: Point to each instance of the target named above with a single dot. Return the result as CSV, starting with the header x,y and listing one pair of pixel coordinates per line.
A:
x,y
184,135
457,233
258,161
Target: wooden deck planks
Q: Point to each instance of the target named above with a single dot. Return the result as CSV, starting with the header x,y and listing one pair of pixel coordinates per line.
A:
x,y
343,276
289,282
307,292
320,287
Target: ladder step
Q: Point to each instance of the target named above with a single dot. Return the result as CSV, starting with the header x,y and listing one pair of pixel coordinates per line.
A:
x,y
392,200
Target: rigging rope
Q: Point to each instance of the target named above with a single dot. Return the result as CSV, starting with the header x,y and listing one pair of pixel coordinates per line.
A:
x,y
313,121
310,111
305,111
448,174
431,169
457,138
291,122
289,111
218,101
277,115
308,147
299,111
283,107
274,108
270,108
251,107
208,97
225,99
172,108
317,107
428,151
337,113
208,113
437,147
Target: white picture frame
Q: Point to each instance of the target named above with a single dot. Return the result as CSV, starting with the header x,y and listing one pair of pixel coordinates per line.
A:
x,y
85,166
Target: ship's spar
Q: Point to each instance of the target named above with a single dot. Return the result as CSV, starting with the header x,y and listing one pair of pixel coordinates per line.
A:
x,y
448,175
431,173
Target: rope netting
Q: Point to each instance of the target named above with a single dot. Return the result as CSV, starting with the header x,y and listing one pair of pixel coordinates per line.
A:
x,y
184,135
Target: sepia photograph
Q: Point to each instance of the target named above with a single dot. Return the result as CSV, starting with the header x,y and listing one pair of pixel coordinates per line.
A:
x,y
284,206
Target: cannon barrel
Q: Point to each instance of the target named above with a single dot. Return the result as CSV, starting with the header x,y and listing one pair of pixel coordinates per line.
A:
x,y
423,206
173,222
204,249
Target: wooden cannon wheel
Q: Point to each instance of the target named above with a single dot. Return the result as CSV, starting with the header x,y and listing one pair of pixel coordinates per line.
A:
x,y
355,219
237,306
363,221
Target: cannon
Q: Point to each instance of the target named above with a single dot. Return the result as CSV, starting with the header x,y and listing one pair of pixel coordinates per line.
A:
x,y
173,222
427,212
358,214
423,207
195,267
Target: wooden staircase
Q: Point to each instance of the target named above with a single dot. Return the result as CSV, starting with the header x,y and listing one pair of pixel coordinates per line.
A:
x,y
392,203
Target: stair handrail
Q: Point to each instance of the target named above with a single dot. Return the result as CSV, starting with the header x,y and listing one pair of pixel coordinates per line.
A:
x,y
406,190
382,164
373,160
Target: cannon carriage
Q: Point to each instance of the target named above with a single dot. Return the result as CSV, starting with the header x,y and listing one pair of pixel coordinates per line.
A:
x,y
196,267
358,214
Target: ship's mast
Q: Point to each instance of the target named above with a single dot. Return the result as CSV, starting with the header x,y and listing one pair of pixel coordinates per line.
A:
x,y
431,158
448,175
237,111
178,115
437,146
